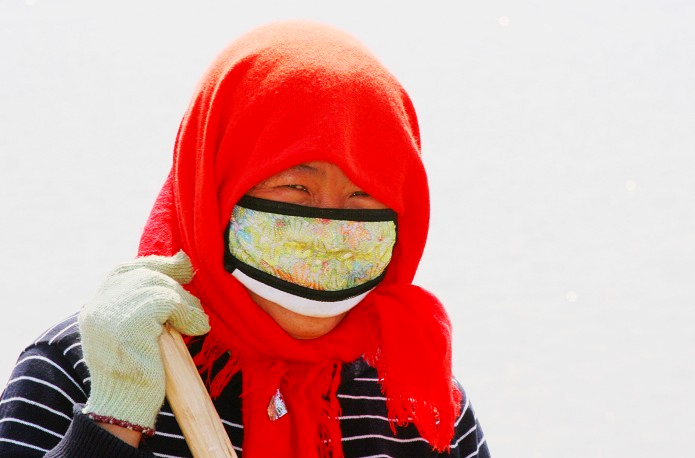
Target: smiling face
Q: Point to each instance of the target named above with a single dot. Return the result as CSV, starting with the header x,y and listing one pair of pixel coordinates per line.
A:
x,y
314,184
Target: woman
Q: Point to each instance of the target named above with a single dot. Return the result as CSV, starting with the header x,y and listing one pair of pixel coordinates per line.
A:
x,y
296,213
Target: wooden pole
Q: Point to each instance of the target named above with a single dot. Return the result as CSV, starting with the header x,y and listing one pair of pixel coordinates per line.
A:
x,y
192,406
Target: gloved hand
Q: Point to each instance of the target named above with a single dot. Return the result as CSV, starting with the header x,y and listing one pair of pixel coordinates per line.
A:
x,y
120,329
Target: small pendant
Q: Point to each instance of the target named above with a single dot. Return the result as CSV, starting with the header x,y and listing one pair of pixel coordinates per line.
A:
x,y
276,407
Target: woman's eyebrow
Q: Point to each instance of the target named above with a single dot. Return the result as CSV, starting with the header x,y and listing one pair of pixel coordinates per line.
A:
x,y
305,168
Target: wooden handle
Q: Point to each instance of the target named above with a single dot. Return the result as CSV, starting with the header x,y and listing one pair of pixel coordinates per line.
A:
x,y
194,411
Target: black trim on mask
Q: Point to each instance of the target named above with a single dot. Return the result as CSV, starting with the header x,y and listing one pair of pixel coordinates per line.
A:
x,y
343,214
231,263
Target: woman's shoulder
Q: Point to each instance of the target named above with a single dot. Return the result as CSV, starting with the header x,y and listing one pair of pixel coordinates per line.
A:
x,y
64,333
61,345
366,427
49,378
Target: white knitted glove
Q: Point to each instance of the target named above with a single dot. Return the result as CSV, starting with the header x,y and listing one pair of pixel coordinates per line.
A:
x,y
120,330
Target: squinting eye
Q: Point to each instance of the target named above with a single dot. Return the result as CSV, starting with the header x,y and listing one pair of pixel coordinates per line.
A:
x,y
359,194
298,187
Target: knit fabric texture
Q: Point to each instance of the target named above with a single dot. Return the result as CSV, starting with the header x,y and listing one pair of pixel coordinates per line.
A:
x,y
283,95
120,330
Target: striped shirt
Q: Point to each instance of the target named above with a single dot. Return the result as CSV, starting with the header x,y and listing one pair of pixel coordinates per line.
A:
x,y
40,412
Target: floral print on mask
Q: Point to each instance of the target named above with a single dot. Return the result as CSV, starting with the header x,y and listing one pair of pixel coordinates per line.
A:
x,y
317,253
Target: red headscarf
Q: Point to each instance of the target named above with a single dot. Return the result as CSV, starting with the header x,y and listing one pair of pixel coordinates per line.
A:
x,y
283,95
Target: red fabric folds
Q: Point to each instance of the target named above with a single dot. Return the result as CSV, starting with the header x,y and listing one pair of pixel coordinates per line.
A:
x,y
283,95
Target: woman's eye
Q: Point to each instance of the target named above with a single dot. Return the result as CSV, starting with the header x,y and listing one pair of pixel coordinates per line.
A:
x,y
359,194
298,187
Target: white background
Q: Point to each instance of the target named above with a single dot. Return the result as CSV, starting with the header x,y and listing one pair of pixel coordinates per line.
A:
x,y
559,138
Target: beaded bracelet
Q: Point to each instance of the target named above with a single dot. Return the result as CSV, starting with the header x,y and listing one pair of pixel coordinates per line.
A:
x,y
147,432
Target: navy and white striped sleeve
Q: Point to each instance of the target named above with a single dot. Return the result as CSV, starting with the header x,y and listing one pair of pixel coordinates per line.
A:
x,y
36,407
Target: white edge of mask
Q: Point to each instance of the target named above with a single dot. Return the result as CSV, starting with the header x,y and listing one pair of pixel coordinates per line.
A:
x,y
297,304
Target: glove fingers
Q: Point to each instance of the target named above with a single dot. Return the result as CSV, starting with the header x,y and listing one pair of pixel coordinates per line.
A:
x,y
172,303
188,316
153,296
178,267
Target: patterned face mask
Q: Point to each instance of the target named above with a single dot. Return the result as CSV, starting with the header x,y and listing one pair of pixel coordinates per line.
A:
x,y
313,261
